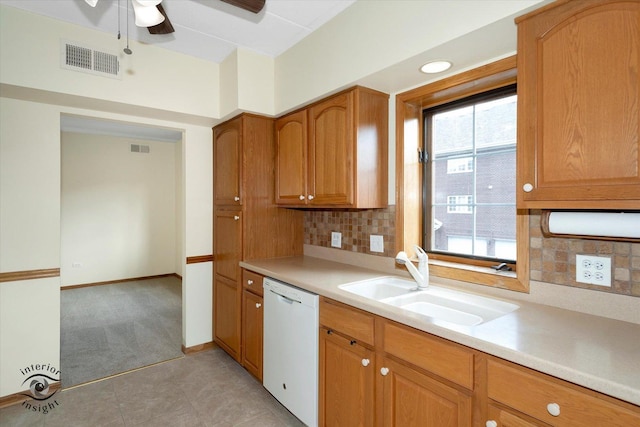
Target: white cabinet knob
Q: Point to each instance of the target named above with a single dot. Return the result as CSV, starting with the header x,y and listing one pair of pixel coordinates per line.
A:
x,y
236,217
527,188
237,199
491,423
301,197
384,371
249,282
258,305
553,409
365,362
310,197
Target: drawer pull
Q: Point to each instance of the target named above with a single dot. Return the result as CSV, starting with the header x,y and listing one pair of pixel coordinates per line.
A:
x,y
301,197
310,197
491,423
553,409
258,305
237,199
365,362
384,371
352,342
528,188
236,217
249,282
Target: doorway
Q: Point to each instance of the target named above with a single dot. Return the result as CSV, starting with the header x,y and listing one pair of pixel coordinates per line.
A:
x,y
121,193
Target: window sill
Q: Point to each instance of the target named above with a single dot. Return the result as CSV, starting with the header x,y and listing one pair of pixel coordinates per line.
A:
x,y
477,275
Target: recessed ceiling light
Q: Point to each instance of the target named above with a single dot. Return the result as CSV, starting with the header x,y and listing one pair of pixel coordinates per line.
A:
x,y
435,67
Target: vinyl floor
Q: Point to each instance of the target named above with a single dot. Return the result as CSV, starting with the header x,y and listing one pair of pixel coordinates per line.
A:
x,y
207,389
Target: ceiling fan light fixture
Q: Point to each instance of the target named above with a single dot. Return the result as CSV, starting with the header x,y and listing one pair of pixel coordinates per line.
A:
x,y
146,16
149,2
91,3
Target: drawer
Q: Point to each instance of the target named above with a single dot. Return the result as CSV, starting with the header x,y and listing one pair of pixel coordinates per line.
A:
x,y
445,359
252,282
531,392
349,321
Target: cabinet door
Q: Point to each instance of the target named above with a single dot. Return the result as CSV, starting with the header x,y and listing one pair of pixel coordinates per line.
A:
x,y
226,315
252,315
578,109
291,159
227,243
411,398
227,163
503,418
331,151
346,382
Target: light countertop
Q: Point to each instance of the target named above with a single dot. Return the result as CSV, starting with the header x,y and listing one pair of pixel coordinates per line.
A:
x,y
595,352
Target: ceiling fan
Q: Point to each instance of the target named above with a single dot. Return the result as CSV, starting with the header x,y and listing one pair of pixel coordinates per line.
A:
x,y
151,14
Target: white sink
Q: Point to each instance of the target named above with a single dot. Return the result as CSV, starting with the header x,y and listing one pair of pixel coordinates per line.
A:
x,y
380,288
435,303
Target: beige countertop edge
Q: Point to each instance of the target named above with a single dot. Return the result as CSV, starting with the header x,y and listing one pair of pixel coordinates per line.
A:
x,y
512,337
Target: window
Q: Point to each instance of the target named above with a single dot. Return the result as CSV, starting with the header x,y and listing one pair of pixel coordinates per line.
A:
x,y
458,204
471,146
464,164
410,211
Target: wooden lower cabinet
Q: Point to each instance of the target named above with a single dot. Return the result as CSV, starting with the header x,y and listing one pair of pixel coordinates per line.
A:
x,y
362,385
347,386
411,398
553,401
505,418
226,315
252,324
425,381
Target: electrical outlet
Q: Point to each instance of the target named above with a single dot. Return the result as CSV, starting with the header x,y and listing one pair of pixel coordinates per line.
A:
x,y
76,264
595,270
376,243
336,239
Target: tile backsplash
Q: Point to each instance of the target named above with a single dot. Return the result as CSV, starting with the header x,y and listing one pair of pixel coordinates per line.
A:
x,y
552,259
355,225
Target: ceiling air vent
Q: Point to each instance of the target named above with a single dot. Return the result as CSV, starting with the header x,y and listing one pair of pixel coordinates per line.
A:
x,y
83,58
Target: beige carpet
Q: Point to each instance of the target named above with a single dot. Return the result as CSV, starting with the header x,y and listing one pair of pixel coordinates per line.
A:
x,y
110,329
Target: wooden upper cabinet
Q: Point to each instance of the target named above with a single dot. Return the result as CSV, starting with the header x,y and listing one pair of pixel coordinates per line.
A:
x,y
291,159
334,153
578,105
227,164
331,152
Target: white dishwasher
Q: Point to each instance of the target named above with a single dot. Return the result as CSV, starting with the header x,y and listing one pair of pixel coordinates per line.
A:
x,y
290,357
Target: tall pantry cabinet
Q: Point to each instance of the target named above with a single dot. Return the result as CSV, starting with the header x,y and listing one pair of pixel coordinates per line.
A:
x,y
246,222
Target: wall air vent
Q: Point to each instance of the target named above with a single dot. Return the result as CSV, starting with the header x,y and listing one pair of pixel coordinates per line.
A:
x,y
82,58
137,148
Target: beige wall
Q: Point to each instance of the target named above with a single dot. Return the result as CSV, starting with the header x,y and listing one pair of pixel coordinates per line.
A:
x,y
118,208
371,36
32,42
30,172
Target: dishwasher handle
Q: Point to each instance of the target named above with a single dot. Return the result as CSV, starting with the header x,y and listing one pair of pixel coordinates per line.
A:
x,y
284,298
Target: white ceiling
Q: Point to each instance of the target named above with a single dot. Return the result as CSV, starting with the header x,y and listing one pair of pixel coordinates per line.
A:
x,y
207,29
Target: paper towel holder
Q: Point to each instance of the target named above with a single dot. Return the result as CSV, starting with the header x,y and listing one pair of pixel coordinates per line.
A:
x,y
606,218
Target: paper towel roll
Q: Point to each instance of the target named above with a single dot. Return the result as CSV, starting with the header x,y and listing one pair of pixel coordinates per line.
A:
x,y
606,224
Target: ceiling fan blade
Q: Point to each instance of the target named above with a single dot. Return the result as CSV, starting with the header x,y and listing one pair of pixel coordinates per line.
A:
x,y
164,27
254,6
